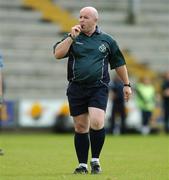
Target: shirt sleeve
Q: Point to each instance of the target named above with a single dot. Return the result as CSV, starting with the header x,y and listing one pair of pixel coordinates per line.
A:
x,y
116,57
60,42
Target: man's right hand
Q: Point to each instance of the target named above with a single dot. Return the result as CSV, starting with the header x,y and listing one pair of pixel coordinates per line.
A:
x,y
75,31
63,47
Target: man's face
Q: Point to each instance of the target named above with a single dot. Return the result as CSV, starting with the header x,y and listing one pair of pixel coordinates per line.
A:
x,y
87,20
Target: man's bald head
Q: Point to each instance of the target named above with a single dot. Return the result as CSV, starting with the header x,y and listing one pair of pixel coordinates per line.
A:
x,y
92,11
88,20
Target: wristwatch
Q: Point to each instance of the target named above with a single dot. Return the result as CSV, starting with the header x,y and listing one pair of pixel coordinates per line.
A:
x,y
69,35
129,85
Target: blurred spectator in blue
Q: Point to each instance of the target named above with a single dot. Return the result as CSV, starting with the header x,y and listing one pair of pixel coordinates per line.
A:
x,y
1,64
1,94
145,99
1,84
165,98
117,126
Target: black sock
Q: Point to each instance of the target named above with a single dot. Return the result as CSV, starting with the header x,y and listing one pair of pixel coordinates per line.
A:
x,y
81,142
97,138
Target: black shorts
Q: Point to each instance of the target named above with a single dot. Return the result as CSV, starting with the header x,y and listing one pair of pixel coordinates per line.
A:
x,y
81,97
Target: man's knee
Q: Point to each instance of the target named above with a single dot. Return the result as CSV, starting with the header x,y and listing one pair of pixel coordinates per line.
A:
x,y
97,117
81,128
97,123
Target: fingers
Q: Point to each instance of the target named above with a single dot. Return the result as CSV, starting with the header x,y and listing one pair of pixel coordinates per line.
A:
x,y
75,31
127,93
126,98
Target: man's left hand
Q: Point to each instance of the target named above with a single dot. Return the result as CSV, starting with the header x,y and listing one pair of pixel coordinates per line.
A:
x,y
127,92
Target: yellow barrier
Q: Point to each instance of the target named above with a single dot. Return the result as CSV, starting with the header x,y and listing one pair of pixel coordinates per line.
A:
x,y
52,12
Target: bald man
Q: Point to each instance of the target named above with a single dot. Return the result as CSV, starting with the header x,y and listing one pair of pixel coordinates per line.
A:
x,y
89,52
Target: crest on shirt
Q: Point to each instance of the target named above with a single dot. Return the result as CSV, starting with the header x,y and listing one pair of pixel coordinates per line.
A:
x,y
102,48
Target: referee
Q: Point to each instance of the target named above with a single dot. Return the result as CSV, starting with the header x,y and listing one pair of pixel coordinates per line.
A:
x,y
89,52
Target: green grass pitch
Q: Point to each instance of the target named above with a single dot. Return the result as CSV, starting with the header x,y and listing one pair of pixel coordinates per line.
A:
x,y
52,157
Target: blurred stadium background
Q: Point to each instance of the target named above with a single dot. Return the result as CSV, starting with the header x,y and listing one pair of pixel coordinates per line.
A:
x,y
35,83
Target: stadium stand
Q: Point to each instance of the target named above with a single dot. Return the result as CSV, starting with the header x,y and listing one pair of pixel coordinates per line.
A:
x,y
26,43
26,40
54,13
148,40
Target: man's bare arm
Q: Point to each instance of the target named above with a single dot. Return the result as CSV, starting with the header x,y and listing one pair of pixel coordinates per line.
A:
x,y
63,47
123,74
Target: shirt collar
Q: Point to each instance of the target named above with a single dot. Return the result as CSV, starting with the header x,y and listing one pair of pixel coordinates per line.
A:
x,y
98,31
